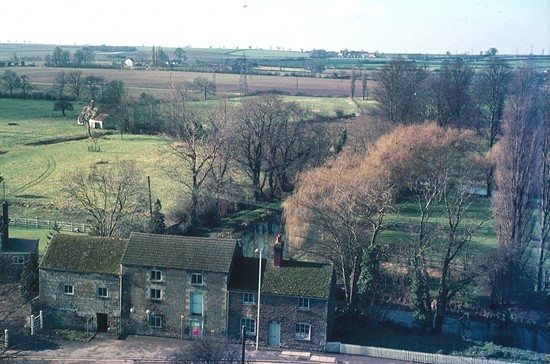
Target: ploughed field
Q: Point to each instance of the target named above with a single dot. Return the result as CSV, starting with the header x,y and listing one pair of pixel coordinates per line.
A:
x,y
160,82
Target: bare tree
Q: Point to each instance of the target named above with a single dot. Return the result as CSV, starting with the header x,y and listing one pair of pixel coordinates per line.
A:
x,y
544,251
60,84
26,86
10,80
491,89
399,91
204,86
197,147
451,102
269,136
516,163
75,82
94,85
113,196
364,90
352,79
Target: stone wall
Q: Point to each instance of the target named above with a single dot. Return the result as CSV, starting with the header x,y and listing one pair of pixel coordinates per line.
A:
x,y
283,310
79,310
174,306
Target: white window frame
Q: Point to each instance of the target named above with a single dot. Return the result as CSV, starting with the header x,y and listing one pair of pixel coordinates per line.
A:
x,y
249,323
100,291
249,298
156,275
155,321
303,303
68,289
18,259
302,331
154,296
195,278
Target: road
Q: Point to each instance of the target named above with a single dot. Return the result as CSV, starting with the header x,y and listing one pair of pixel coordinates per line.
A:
x,y
143,350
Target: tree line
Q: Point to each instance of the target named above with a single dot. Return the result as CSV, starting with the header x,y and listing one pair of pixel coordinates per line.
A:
x,y
433,137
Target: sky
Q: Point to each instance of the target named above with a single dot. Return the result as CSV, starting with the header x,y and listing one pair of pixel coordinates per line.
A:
x,y
387,26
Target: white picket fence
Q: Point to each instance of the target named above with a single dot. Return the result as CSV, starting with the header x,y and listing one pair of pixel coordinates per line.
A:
x,y
49,224
414,356
5,339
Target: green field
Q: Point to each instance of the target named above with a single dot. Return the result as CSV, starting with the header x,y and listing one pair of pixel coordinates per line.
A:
x,y
39,147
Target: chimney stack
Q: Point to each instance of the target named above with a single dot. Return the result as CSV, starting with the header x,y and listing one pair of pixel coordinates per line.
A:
x,y
278,251
4,235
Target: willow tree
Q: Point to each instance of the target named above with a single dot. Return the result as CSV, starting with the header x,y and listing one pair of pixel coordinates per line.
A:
x,y
434,165
337,212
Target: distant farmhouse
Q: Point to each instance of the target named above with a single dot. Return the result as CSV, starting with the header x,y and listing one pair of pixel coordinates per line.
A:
x,y
14,252
184,287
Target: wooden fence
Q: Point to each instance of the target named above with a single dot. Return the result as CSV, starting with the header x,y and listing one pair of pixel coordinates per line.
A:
x,y
49,224
414,356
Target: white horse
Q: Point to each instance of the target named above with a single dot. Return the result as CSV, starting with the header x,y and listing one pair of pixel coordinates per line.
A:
x,y
93,122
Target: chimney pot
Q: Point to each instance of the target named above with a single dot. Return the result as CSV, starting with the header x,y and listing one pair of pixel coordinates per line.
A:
x,y
278,251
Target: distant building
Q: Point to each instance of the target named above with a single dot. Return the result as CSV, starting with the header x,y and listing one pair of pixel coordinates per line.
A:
x,y
128,63
14,252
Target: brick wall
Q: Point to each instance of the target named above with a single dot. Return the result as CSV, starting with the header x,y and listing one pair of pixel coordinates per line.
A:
x,y
174,306
79,309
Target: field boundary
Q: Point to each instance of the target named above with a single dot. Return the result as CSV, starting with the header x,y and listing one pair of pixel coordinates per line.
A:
x,y
49,224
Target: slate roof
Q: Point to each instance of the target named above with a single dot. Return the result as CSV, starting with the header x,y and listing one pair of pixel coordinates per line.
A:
x,y
292,278
180,252
84,254
20,245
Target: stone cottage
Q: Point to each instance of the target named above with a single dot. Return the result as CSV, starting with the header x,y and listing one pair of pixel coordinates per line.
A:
x,y
176,285
296,299
80,283
185,287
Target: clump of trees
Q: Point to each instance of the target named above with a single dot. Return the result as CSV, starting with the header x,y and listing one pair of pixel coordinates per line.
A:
x,y
519,161
339,209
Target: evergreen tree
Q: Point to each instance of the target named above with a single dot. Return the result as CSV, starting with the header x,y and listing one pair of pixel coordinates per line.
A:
x,y
29,279
157,224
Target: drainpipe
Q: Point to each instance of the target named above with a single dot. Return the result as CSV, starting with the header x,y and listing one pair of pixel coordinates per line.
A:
x,y
226,312
120,302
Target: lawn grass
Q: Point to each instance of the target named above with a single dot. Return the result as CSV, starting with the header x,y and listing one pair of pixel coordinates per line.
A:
x,y
32,233
478,216
39,148
33,171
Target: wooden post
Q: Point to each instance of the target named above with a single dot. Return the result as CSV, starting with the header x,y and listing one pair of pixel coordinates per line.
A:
x,y
32,325
6,339
41,320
